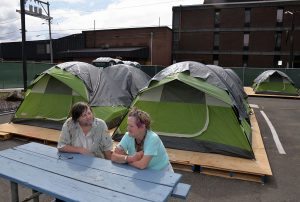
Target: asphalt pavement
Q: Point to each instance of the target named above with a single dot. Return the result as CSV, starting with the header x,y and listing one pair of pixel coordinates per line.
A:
x,y
283,186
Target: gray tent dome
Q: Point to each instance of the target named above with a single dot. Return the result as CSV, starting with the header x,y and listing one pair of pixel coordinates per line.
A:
x,y
266,74
237,80
274,82
211,74
108,92
86,72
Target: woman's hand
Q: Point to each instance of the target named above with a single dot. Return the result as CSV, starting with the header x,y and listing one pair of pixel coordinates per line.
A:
x,y
136,157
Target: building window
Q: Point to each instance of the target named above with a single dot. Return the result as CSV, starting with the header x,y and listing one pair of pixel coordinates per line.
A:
x,y
279,15
245,60
217,18
216,40
176,20
175,45
216,59
246,40
247,16
176,36
278,37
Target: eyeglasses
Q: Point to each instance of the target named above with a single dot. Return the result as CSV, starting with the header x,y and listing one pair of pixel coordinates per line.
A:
x,y
64,157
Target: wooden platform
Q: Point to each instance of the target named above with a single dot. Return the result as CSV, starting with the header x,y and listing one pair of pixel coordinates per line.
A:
x,y
5,136
211,164
32,132
251,93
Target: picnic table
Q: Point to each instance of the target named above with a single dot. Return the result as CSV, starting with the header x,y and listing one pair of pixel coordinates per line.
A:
x,y
76,177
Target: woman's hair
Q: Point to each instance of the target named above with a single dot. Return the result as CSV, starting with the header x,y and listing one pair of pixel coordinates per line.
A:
x,y
141,117
78,109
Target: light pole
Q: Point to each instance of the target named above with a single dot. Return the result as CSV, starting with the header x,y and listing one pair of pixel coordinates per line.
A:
x,y
291,57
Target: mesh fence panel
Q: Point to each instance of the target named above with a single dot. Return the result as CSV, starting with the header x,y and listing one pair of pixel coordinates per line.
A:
x,y
11,75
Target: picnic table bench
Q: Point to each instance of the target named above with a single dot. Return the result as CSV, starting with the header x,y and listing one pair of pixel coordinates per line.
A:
x,y
76,177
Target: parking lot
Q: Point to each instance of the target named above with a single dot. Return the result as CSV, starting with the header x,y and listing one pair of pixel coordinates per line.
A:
x,y
284,116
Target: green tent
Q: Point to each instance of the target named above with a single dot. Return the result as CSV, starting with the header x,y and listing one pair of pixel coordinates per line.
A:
x,y
190,112
274,82
51,95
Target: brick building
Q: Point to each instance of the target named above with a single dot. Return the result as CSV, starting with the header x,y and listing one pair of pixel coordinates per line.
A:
x,y
146,45
238,33
150,45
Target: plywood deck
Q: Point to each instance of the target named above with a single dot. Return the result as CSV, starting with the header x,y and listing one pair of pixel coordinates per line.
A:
x,y
31,131
251,93
211,164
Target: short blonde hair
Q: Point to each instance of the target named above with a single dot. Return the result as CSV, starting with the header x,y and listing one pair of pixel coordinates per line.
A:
x,y
141,117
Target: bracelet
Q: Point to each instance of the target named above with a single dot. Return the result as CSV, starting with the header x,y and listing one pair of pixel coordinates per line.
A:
x,y
125,159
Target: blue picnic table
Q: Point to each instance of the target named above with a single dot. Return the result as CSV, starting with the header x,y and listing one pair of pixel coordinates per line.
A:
x,y
76,177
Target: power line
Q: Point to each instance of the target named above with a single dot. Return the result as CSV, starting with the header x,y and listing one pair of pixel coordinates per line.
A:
x,y
126,7
6,34
10,21
88,29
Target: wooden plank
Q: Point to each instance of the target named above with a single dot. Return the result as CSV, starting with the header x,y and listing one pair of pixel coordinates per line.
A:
x,y
249,91
60,187
31,131
5,135
106,180
220,173
162,178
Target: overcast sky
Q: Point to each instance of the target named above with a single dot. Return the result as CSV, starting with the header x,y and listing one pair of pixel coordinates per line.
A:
x,y
74,16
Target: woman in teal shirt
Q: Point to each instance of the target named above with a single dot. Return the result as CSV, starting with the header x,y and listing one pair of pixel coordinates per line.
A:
x,y
141,147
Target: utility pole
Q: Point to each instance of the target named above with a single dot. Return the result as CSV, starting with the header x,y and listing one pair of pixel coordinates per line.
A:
x,y
50,38
22,5
37,12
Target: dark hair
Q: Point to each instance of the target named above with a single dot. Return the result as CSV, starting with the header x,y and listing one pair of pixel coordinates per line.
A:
x,y
141,117
78,109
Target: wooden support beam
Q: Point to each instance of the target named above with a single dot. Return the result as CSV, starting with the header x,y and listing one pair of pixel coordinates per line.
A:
x,y
5,135
249,91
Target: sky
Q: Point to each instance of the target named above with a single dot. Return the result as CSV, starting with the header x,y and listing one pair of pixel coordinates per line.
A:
x,y
75,16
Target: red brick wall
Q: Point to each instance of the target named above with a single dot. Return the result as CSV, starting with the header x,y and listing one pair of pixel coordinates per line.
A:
x,y
263,17
205,59
262,41
231,60
232,18
263,61
161,42
194,19
231,41
196,41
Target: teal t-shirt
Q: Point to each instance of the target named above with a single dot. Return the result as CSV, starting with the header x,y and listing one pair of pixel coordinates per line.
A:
x,y
153,146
